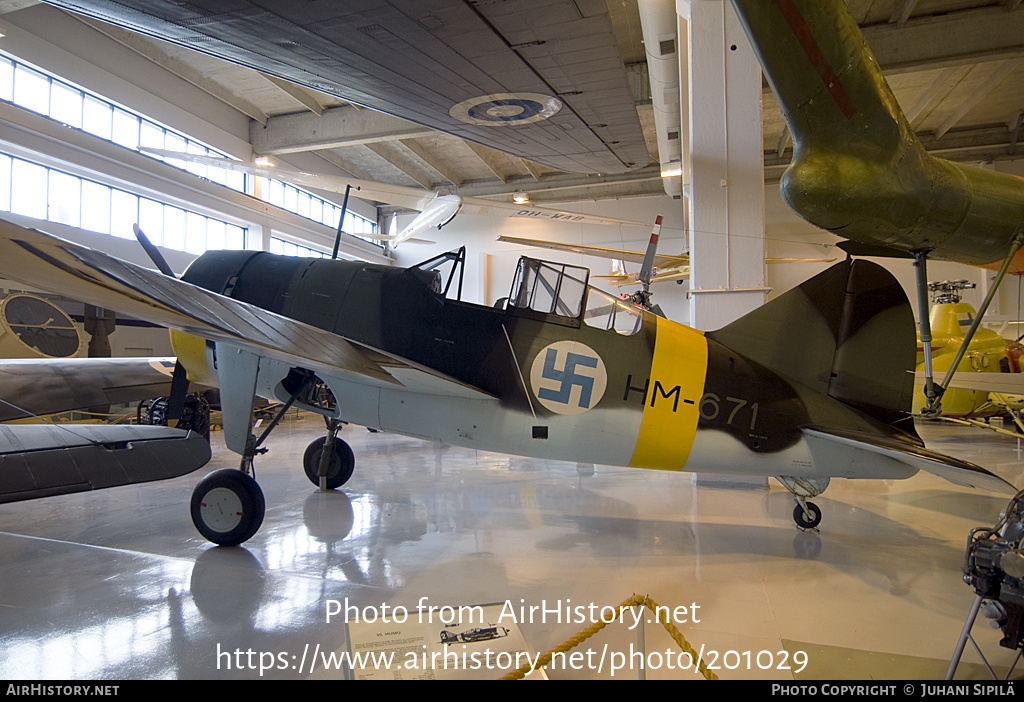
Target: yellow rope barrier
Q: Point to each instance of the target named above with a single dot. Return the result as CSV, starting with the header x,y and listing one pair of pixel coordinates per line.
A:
x,y
582,636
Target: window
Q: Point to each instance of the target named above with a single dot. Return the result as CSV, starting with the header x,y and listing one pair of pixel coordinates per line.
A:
x,y
44,193
31,89
605,311
288,248
549,288
66,104
37,191
28,189
95,207
65,199
98,118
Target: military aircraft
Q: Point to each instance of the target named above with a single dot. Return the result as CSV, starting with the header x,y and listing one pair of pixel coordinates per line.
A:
x,y
435,210
858,169
40,376
811,386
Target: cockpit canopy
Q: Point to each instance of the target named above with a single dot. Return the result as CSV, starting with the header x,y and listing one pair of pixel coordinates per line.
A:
x,y
542,290
559,293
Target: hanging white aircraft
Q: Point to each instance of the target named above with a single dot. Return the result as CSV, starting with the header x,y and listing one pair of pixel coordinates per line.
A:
x,y
667,267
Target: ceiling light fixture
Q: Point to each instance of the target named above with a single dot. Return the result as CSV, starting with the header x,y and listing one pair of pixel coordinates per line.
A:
x,y
671,169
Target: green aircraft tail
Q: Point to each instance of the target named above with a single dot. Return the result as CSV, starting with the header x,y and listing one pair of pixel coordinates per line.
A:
x,y
858,169
848,332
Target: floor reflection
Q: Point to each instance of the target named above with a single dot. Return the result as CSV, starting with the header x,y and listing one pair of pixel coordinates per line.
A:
x,y
118,584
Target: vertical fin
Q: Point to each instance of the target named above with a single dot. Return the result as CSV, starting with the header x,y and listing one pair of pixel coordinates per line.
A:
x,y
848,332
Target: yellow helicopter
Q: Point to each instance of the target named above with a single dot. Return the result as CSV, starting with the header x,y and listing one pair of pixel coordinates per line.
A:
x,y
988,353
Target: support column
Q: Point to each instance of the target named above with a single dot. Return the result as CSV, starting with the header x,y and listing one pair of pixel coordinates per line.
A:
x,y
726,198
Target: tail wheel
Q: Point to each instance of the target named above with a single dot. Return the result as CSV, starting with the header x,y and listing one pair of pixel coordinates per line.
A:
x,y
340,465
227,507
801,516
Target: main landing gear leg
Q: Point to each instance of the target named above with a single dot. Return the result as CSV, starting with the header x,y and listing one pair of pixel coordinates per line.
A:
x,y
329,461
932,392
807,515
227,505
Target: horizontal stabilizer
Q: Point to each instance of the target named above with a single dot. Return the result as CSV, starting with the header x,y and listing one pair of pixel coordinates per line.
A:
x,y
915,455
42,460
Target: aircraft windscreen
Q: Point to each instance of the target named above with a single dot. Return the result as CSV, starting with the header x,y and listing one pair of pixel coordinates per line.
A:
x,y
605,311
440,272
549,288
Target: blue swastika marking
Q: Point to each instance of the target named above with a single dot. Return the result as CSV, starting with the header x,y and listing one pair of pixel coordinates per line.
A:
x,y
568,378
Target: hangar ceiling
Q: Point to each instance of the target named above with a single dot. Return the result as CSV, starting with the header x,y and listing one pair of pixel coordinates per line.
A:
x,y
956,67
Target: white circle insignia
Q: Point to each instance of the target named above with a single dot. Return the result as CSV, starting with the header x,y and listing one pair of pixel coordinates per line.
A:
x,y
568,377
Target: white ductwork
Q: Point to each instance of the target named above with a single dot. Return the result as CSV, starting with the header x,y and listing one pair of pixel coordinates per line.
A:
x,y
659,23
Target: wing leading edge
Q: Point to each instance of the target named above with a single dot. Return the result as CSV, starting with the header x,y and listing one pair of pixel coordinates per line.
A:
x,y
32,257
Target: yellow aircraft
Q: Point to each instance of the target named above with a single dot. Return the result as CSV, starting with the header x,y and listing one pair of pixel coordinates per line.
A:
x,y
988,353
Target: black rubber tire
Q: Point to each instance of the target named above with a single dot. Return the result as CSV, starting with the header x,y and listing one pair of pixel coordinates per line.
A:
x,y
339,468
801,519
227,507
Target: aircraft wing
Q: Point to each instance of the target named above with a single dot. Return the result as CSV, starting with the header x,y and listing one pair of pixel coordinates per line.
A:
x,y
56,459
32,257
42,260
401,196
35,387
544,81
660,260
1012,383
952,469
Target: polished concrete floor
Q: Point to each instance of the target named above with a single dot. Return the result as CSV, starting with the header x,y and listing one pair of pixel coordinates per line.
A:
x,y
118,584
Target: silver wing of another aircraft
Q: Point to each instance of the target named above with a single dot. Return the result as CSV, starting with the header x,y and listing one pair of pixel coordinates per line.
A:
x,y
668,267
56,459
36,387
541,79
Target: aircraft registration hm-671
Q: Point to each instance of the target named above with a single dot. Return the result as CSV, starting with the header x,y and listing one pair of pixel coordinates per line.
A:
x,y
816,384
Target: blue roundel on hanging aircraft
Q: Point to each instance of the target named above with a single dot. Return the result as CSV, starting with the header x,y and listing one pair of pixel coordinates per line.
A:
x,y
506,109
568,377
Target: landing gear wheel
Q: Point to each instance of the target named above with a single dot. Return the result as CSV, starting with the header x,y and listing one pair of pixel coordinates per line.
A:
x,y
340,465
227,507
801,518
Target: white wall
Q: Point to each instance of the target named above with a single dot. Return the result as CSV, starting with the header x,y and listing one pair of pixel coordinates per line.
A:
x,y
491,265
